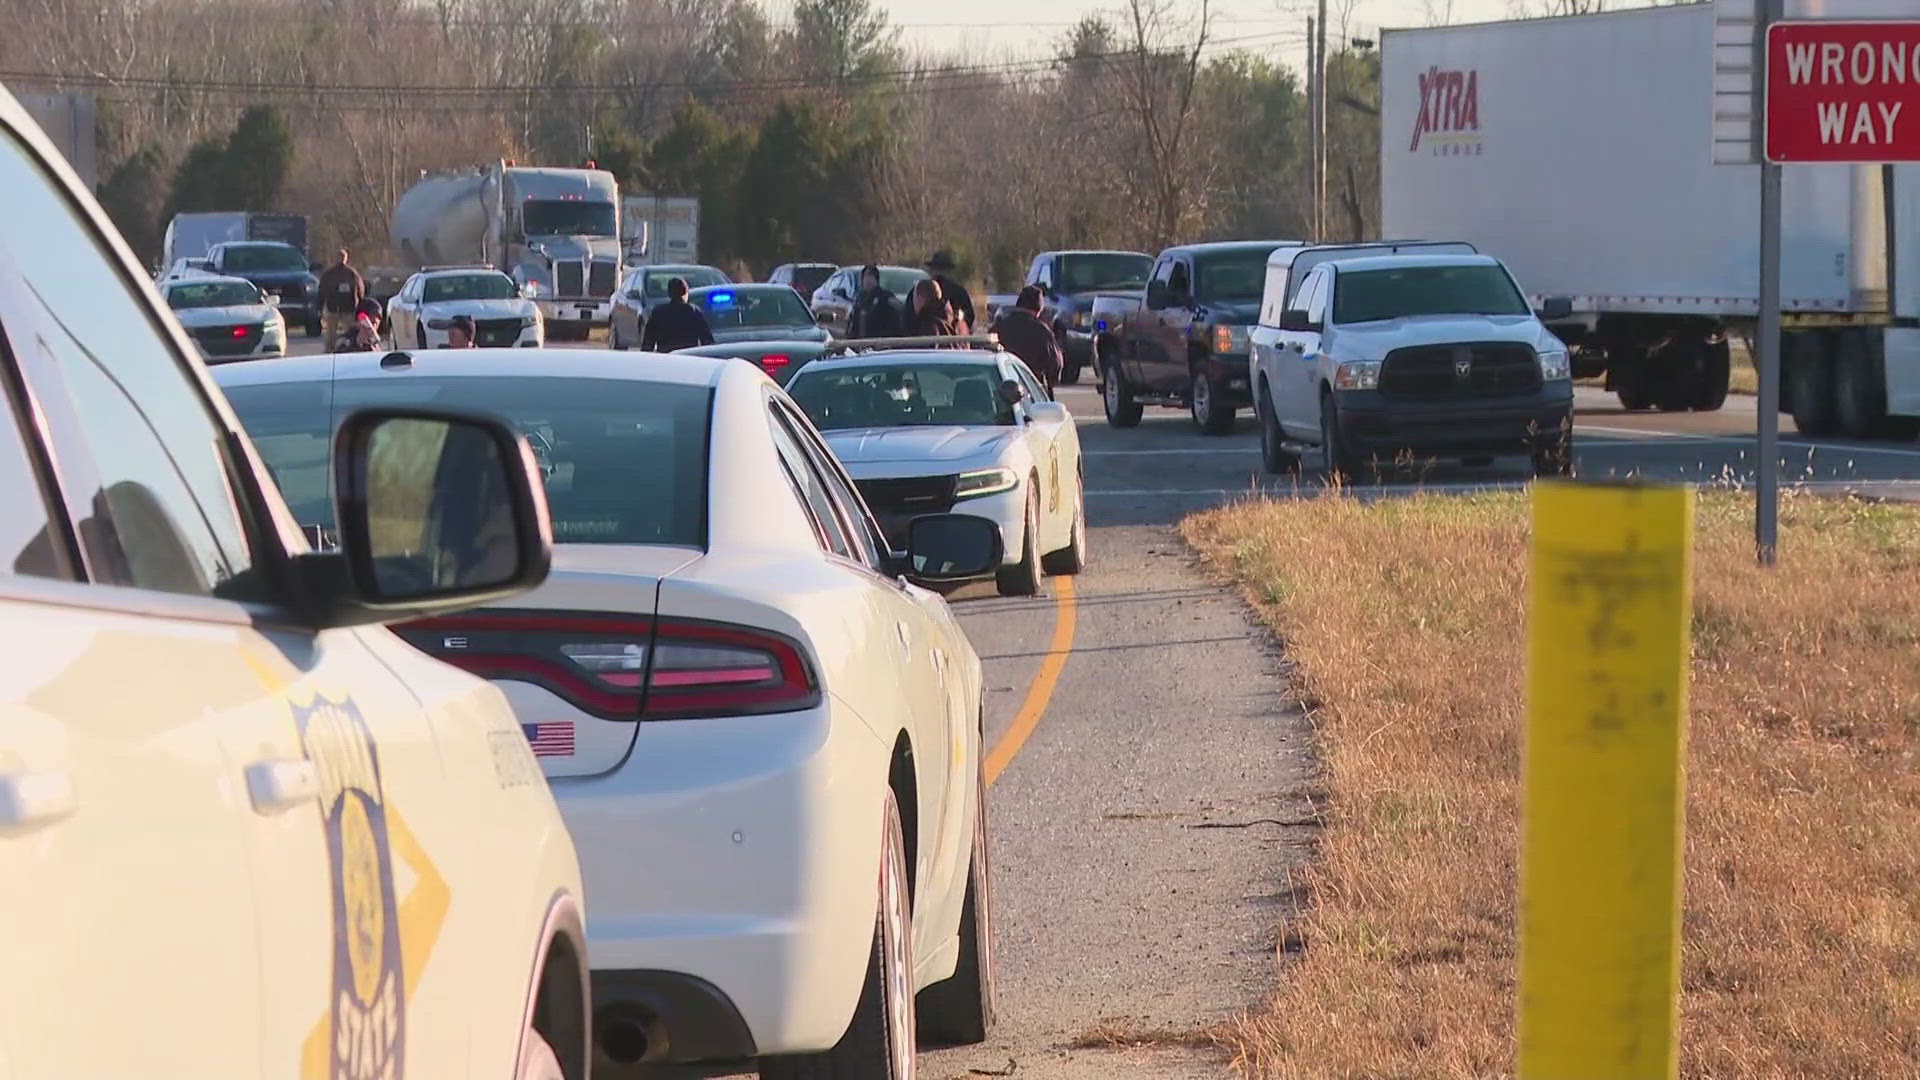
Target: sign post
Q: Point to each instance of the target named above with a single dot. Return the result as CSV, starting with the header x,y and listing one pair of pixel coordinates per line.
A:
x,y
1766,510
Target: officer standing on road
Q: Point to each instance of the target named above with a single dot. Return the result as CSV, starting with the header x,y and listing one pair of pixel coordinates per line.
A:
x,y
1024,335
875,315
959,301
341,289
675,324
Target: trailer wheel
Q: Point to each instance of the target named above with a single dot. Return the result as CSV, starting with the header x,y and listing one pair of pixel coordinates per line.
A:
x,y
1716,371
1673,370
1808,370
1628,367
1859,390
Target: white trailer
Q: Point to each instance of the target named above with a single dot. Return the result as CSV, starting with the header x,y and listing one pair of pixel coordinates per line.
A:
x,y
658,230
1578,151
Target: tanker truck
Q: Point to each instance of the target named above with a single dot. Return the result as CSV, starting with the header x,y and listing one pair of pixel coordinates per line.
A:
x,y
556,231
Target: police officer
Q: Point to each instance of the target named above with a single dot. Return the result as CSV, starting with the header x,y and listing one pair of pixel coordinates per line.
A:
x,y
1026,336
675,324
959,301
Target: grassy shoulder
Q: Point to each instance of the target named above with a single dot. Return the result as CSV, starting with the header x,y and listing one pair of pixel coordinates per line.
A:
x,y
1406,623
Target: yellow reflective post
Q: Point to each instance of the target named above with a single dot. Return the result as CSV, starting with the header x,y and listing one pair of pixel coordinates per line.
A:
x,y
1610,601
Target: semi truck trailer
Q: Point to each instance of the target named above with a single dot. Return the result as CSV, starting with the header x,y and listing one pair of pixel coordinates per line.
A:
x,y
1578,151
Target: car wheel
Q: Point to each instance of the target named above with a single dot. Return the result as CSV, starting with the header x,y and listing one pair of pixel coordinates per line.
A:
x,y
1274,455
1211,412
1069,373
537,1059
1716,370
879,1043
1630,381
1808,372
1023,578
1122,410
1859,389
1335,458
960,1010
1073,558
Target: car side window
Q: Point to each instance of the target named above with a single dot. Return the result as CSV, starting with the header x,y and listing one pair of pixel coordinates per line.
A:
x,y
811,488
1035,391
870,547
32,543
1313,296
1179,283
141,456
1163,272
1045,278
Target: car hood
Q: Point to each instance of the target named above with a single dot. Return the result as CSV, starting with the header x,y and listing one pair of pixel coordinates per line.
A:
x,y
223,316
577,247
1376,339
943,445
479,309
770,333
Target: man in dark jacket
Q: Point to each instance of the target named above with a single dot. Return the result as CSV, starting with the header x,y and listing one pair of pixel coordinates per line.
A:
x,y
875,314
959,301
1024,335
675,324
927,311
341,289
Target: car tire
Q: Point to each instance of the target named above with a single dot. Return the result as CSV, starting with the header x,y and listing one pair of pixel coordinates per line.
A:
x,y
1630,382
537,1059
1335,458
1117,396
1274,455
1809,376
1072,559
1069,373
879,1043
1212,414
1023,577
960,1010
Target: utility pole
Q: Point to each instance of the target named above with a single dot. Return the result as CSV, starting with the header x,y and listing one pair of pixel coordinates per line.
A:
x,y
1320,123
1313,133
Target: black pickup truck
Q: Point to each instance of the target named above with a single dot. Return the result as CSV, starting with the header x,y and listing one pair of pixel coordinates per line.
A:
x,y
1182,341
1070,281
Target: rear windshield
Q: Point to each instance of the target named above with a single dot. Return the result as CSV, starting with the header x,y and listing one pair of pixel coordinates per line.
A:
x,y
696,277
624,461
1373,295
1103,271
1239,275
258,257
728,309
808,278
469,287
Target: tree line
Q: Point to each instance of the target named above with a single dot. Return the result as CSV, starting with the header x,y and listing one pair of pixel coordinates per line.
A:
x,y
817,135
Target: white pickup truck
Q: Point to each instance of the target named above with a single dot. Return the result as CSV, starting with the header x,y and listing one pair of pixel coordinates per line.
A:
x,y
1376,359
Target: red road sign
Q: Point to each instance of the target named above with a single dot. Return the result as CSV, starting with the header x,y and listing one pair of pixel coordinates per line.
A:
x,y
1843,92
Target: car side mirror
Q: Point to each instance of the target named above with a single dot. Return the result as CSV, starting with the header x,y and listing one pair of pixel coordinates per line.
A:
x,y
1156,294
436,511
952,547
1048,412
1554,308
1296,321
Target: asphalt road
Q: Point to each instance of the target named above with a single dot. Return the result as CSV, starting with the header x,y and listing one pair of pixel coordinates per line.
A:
x,y
1153,787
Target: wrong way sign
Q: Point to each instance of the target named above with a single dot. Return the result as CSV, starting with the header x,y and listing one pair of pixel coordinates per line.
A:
x,y
1843,92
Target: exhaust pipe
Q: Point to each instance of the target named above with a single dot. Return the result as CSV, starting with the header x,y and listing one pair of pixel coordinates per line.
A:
x,y
624,1037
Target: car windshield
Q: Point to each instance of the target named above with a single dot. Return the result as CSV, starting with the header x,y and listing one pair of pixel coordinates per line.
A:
x,y
696,277
624,460
211,294
1107,270
566,217
1372,295
468,287
808,278
728,309
1239,275
257,257
900,395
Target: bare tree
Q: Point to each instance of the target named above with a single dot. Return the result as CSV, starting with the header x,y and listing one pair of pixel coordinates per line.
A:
x,y
1159,75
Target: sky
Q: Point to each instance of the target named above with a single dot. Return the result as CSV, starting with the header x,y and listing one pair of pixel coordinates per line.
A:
x,y
1277,27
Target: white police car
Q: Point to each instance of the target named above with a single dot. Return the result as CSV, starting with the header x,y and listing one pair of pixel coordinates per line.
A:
x,y
245,830
228,318
421,313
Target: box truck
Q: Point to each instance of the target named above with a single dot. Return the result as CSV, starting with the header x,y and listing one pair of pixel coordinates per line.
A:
x,y
1578,151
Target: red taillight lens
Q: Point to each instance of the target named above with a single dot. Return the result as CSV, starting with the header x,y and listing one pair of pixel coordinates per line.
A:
x,y
773,362
239,331
624,668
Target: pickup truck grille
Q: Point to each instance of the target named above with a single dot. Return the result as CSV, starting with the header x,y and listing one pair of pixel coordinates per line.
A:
x,y
496,332
1469,370
569,278
898,501
601,278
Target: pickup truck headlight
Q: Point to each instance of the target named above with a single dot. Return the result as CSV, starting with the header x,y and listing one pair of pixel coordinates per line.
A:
x,y
1357,375
1230,339
979,482
1554,365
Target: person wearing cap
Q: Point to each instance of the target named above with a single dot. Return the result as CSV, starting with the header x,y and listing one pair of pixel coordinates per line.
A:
x,y
875,314
1024,334
959,301
675,324
460,332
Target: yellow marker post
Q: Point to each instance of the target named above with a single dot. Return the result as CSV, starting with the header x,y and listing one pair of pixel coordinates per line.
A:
x,y
1607,659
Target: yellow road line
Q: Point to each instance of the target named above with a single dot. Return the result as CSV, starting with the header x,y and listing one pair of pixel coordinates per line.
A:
x,y
1038,694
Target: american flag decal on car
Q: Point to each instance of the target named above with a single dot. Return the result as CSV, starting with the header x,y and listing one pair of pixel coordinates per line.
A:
x,y
552,739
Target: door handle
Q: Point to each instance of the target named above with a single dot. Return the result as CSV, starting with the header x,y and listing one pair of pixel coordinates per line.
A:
x,y
29,800
282,785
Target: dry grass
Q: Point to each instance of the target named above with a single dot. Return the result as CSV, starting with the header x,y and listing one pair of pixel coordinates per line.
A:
x,y
1405,621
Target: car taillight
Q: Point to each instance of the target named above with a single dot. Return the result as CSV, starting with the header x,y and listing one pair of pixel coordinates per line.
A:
x,y
627,668
239,331
773,362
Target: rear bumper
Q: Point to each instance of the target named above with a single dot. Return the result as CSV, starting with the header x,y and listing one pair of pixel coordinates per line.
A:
x,y
1377,426
582,309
